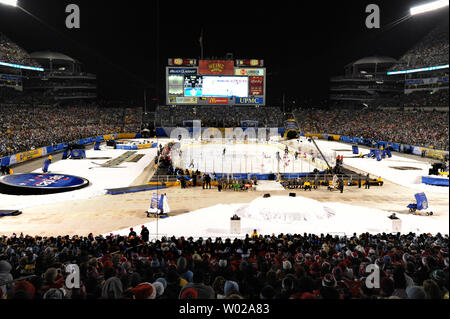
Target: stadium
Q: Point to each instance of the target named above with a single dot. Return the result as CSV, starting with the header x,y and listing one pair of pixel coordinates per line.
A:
x,y
213,190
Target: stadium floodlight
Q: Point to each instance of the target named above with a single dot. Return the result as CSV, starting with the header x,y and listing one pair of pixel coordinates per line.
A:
x,y
428,7
12,3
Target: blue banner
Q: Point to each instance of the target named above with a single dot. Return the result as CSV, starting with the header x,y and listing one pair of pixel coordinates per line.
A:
x,y
5,161
435,181
249,100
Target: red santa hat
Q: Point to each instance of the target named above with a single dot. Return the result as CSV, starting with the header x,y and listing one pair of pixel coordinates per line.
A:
x,y
144,290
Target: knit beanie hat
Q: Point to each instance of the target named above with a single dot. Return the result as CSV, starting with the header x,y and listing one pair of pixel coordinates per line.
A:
x,y
188,276
230,287
163,282
189,293
267,292
5,267
26,288
222,263
287,265
112,289
126,266
415,292
54,293
287,283
438,275
329,281
159,288
181,263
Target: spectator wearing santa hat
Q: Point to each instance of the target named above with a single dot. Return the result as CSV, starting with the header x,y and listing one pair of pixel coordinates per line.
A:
x,y
144,290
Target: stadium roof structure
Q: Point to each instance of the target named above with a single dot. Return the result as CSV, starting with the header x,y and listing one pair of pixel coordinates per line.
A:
x,y
52,56
375,60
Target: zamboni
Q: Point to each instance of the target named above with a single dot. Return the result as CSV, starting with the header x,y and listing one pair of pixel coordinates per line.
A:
x,y
159,206
421,205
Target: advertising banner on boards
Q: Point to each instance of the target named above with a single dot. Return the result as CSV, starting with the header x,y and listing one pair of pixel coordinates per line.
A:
x,y
249,71
182,100
256,85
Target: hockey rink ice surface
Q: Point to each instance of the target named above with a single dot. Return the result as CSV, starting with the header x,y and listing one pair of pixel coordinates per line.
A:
x,y
242,158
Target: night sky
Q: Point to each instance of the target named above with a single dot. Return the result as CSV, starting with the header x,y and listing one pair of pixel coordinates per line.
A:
x,y
127,43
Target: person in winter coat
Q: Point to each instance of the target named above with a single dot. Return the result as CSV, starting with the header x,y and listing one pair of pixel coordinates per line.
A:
x,y
112,288
132,233
145,234
174,285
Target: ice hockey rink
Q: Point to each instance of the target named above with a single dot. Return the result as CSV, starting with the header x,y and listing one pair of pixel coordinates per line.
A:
x,y
250,157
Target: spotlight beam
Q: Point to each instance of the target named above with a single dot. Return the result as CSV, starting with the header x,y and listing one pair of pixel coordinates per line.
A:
x,y
12,3
427,7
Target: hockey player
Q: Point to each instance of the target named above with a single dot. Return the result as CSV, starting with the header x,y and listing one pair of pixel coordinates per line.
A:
x,y
224,150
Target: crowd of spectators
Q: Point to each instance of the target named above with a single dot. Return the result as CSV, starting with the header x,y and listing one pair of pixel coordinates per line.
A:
x,y
24,128
416,99
219,116
10,96
411,266
423,98
418,128
12,53
432,50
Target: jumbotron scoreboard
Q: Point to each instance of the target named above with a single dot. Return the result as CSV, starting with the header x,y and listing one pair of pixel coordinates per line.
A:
x,y
215,82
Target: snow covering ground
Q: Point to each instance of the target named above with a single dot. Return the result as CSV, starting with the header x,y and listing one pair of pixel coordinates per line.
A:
x,y
100,178
282,214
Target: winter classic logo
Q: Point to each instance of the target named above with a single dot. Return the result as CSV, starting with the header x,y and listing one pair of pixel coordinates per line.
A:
x,y
45,180
216,67
40,180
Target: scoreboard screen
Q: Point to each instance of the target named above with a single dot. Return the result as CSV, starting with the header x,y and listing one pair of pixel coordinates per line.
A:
x,y
225,86
193,85
216,86
216,82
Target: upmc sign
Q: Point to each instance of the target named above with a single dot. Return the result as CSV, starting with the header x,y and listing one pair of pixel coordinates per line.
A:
x,y
249,100
218,67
